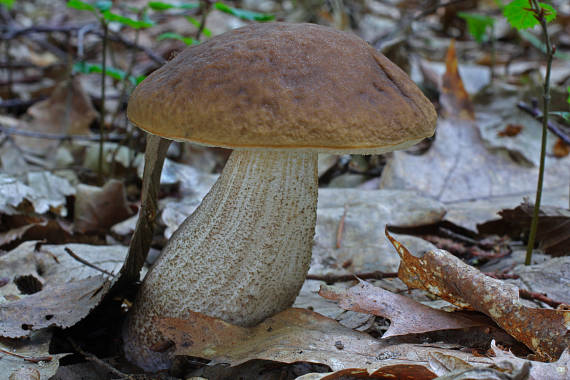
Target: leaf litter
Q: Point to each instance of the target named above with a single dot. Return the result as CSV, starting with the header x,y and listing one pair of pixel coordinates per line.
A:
x,y
544,331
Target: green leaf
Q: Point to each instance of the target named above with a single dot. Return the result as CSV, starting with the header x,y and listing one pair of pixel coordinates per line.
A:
x,y
7,3
520,16
477,25
160,6
207,32
113,17
91,68
243,14
568,94
176,36
80,5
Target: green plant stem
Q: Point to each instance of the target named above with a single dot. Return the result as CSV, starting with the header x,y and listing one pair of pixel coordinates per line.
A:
x,y
102,119
546,108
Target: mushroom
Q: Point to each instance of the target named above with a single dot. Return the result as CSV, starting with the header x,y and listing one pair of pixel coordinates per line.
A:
x,y
277,94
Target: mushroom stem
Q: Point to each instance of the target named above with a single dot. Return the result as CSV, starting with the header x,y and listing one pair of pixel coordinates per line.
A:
x,y
242,256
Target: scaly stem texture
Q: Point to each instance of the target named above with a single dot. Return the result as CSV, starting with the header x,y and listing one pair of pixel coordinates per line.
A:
x,y
546,108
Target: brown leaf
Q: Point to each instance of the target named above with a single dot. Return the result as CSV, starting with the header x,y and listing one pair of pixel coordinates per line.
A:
x,y
560,148
510,130
406,315
545,331
553,233
58,305
97,209
454,98
398,371
68,110
290,336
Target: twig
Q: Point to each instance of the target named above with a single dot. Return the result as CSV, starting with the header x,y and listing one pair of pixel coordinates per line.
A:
x,y
331,278
537,114
85,262
73,28
204,8
32,359
539,297
340,228
95,359
56,136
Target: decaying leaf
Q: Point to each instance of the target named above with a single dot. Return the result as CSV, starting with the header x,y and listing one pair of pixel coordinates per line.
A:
x,y
97,209
290,336
32,357
560,148
56,305
553,233
406,315
43,191
68,110
454,98
510,130
545,331
397,371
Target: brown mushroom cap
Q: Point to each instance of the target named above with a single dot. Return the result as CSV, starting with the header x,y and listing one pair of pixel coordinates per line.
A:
x,y
284,86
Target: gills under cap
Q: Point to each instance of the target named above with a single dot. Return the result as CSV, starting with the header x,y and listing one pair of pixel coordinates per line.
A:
x,y
284,86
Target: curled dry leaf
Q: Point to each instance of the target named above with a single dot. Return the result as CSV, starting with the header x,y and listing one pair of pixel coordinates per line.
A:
x,y
406,315
545,331
454,98
56,305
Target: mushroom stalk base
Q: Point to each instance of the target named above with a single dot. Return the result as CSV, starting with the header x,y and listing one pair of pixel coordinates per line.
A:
x,y
242,256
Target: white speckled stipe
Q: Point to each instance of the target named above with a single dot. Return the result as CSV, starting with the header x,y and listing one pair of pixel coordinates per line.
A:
x,y
242,256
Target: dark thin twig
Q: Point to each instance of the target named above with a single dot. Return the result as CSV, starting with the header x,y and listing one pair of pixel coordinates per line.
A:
x,y
95,359
330,278
74,28
526,294
32,359
56,136
85,262
537,114
340,229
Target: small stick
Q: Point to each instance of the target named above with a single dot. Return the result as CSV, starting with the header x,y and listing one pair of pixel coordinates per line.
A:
x,y
56,136
330,278
340,229
526,294
83,261
95,359
31,359
537,114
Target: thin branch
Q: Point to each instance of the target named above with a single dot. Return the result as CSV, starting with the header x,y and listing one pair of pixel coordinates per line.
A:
x,y
537,114
56,136
75,28
534,296
331,278
85,262
92,358
32,359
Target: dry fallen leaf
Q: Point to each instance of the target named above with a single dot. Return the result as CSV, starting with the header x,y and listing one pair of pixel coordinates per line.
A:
x,y
56,305
561,149
510,130
406,315
97,209
545,331
553,233
454,98
68,110
290,336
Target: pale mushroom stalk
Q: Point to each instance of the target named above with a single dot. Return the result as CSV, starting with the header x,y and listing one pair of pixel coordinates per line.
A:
x,y
253,232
